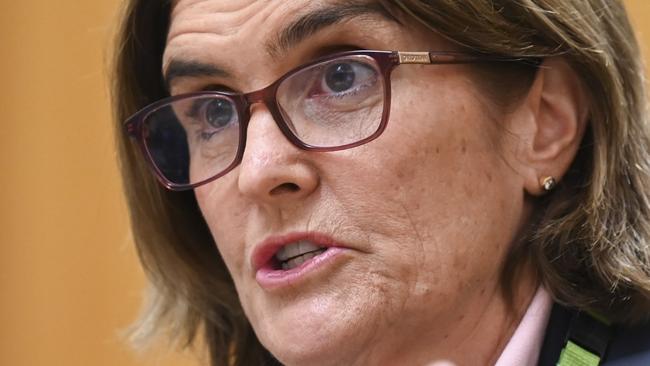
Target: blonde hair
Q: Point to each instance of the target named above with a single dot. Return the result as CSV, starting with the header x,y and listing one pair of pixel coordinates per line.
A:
x,y
589,240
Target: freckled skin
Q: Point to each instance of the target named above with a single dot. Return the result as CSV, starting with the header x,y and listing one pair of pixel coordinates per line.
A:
x,y
430,208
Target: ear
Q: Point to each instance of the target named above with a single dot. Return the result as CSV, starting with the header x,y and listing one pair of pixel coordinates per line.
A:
x,y
555,113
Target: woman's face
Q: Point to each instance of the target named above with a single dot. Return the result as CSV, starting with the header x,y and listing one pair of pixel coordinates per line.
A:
x,y
415,224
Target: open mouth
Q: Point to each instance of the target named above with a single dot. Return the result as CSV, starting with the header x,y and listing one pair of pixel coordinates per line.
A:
x,y
282,262
293,255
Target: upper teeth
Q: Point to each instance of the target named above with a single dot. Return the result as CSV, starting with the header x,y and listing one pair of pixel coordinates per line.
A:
x,y
296,249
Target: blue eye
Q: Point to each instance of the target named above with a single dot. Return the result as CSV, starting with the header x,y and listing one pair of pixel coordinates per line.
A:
x,y
340,77
219,113
344,79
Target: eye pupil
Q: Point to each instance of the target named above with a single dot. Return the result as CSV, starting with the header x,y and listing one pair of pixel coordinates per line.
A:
x,y
219,113
339,77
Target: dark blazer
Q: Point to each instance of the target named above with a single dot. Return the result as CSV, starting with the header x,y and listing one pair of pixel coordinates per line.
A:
x,y
629,346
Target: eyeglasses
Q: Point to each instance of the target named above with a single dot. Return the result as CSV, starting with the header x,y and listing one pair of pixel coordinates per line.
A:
x,y
333,103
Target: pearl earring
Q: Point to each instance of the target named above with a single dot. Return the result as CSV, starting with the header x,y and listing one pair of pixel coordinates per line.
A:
x,y
549,183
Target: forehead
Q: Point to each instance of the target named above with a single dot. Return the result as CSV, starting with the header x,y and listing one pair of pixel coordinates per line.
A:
x,y
230,17
227,17
241,26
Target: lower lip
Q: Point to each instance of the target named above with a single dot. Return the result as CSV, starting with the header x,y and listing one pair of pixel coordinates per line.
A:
x,y
271,279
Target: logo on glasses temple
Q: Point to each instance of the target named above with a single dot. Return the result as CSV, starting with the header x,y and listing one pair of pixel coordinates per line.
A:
x,y
414,58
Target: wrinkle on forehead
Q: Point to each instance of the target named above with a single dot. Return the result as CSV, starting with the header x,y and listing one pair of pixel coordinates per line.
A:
x,y
217,23
235,26
312,22
224,18
231,26
224,5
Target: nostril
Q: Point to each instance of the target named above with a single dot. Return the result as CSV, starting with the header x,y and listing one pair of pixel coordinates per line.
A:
x,y
285,188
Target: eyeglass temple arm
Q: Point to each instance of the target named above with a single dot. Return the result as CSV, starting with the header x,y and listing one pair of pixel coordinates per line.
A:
x,y
457,58
130,128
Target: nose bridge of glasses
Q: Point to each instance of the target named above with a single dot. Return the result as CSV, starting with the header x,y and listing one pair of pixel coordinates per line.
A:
x,y
267,96
264,95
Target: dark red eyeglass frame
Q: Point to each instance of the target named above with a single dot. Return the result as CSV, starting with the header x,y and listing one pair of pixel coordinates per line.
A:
x,y
386,60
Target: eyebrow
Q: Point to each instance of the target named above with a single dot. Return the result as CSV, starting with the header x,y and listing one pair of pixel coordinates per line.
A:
x,y
180,68
290,36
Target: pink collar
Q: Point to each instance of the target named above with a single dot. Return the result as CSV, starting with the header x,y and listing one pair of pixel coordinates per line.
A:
x,y
526,342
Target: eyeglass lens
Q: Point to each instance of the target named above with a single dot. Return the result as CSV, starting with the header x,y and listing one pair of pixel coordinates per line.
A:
x,y
329,104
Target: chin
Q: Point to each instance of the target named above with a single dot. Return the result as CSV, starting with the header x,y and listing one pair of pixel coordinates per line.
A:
x,y
316,331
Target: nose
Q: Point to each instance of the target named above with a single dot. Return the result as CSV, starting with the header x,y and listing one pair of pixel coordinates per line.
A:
x,y
273,170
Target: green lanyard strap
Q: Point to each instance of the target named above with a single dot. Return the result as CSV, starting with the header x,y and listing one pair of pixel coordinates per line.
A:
x,y
586,342
574,355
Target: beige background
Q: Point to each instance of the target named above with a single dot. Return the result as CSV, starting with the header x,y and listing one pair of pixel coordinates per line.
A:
x,y
69,279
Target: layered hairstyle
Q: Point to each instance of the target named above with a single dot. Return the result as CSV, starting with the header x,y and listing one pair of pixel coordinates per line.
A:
x,y
589,239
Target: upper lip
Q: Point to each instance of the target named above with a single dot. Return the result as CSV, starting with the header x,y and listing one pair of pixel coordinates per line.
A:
x,y
264,252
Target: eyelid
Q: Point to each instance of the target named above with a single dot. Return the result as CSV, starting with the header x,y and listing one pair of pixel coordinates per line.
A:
x,y
197,86
332,49
218,88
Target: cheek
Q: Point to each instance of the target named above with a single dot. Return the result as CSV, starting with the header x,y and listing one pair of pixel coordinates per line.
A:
x,y
429,190
226,222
